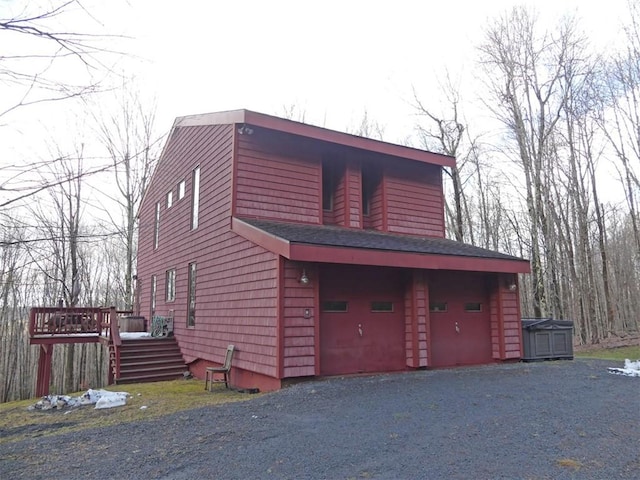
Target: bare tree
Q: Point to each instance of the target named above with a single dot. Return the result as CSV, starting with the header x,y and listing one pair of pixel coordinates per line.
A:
x,y
38,46
526,68
59,256
129,137
45,60
447,134
620,114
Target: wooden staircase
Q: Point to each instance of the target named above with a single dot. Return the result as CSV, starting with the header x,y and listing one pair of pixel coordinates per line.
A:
x,y
148,360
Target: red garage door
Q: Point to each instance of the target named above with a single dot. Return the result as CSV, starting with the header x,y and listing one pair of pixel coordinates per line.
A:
x,y
460,320
361,320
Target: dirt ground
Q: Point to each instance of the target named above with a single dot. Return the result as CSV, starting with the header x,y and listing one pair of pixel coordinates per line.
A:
x,y
631,340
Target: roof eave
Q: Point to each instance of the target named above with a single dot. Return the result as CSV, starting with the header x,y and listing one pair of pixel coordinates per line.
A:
x,y
386,258
318,133
366,256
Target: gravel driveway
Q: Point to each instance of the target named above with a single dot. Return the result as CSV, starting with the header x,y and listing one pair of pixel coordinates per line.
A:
x,y
550,420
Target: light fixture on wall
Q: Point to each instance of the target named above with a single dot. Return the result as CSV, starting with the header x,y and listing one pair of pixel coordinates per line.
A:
x,y
245,129
304,280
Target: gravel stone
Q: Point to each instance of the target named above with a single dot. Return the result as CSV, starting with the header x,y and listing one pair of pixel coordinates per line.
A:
x,y
546,420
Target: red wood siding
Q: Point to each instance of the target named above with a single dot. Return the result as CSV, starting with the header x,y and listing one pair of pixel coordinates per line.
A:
x,y
275,182
337,215
416,320
506,325
236,294
354,206
413,195
299,333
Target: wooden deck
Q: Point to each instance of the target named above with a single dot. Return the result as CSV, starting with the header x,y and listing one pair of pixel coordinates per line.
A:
x,y
130,360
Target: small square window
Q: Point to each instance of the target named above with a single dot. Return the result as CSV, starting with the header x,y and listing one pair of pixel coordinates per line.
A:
x,y
181,188
334,306
169,199
473,307
382,306
438,306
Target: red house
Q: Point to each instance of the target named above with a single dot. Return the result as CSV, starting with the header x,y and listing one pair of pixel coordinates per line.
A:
x,y
314,252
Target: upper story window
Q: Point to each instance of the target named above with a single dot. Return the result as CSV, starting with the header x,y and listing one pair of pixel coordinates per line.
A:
x,y
370,182
195,198
156,230
328,187
170,285
169,199
181,189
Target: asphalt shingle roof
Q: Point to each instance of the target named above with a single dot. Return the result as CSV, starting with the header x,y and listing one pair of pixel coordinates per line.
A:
x,y
334,236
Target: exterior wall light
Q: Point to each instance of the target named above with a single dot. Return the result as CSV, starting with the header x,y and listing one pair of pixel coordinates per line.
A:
x,y
304,280
245,129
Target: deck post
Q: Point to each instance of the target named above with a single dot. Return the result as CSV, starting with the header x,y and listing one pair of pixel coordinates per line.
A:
x,y
44,370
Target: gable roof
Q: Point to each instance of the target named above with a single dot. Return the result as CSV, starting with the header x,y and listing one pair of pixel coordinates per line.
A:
x,y
247,117
334,244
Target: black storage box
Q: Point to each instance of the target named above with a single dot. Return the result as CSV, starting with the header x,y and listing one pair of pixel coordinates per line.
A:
x,y
547,339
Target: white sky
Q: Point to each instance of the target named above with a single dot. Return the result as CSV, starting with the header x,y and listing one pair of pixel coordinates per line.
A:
x,y
333,60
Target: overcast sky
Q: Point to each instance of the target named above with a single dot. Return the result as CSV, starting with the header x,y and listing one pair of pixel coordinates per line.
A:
x,y
333,60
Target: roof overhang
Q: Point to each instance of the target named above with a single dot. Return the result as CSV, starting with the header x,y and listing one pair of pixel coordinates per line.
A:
x,y
318,133
308,252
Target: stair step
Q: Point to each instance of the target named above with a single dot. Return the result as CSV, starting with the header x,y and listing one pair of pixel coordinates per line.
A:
x,y
155,368
176,372
150,364
154,351
153,356
153,347
149,378
149,360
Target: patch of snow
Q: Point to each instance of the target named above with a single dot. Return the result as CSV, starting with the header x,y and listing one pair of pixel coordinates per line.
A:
x,y
143,407
113,399
630,369
134,335
101,399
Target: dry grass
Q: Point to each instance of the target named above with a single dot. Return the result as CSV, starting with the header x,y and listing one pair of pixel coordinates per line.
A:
x,y
160,398
620,353
569,463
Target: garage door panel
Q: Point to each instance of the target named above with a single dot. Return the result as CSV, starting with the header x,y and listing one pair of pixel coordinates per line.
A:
x,y
461,333
359,340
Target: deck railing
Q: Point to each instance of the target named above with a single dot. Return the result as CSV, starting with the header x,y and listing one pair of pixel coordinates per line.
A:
x,y
51,325
56,321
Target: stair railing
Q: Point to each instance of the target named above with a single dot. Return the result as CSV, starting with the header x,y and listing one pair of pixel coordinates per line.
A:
x,y
112,329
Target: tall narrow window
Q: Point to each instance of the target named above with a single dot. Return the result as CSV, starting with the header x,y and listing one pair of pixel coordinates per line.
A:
x,y
154,284
170,285
169,199
328,187
181,188
191,310
195,198
370,181
156,231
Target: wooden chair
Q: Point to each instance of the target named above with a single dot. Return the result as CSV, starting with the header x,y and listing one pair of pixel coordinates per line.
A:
x,y
225,369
